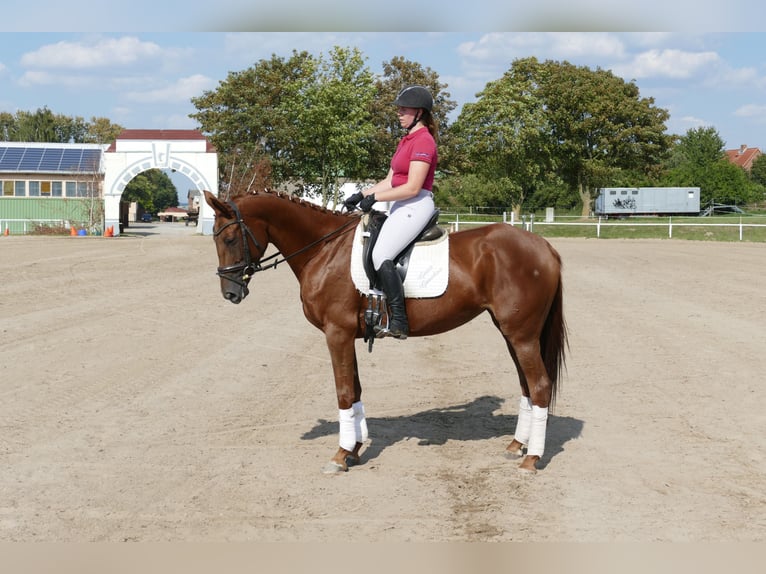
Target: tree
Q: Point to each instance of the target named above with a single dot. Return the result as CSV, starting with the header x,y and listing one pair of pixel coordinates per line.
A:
x,y
698,159
758,177
101,131
46,127
398,73
504,135
153,190
600,124
247,118
332,124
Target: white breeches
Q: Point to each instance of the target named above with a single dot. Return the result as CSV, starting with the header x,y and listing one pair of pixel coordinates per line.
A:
x,y
405,221
353,426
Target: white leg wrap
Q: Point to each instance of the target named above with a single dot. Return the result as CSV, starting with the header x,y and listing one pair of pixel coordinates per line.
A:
x,y
347,429
360,422
524,422
539,425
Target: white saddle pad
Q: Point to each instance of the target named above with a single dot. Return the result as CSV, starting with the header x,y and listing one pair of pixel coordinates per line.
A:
x,y
427,273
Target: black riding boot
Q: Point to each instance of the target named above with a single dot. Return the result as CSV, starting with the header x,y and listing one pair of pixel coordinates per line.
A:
x,y
391,284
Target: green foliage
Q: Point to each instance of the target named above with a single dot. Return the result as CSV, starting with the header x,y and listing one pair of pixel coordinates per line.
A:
x,y
153,190
398,73
698,160
332,123
45,126
546,124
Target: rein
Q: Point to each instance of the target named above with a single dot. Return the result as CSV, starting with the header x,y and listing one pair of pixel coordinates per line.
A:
x,y
248,267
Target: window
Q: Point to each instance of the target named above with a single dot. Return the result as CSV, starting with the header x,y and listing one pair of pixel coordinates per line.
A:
x,y
56,188
34,189
71,189
20,189
624,192
83,189
45,188
612,192
7,187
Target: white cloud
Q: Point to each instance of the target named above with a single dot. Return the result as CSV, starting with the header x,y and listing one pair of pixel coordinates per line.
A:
x,y
671,63
41,78
100,53
751,111
181,91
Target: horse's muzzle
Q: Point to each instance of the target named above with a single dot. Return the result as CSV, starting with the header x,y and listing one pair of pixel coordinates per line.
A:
x,y
234,280
234,292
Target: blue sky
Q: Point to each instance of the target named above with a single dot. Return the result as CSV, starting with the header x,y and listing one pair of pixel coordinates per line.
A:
x,y
146,80
710,73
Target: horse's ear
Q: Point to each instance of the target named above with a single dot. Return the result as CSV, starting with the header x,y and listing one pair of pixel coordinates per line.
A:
x,y
220,207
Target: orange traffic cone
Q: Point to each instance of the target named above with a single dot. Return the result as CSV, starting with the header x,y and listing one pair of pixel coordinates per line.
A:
x,y
7,231
73,231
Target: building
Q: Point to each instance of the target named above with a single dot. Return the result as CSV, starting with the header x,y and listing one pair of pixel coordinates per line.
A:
x,y
50,184
744,156
81,185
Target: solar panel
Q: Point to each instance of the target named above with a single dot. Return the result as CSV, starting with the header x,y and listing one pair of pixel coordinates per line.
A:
x,y
70,160
91,160
11,158
31,159
49,159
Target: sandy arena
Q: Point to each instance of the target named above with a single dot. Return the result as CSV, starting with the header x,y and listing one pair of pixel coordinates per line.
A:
x,y
137,405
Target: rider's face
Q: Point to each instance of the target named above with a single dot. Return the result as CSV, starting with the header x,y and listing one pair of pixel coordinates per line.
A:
x,y
406,115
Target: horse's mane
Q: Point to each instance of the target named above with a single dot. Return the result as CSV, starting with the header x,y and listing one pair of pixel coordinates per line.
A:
x,y
296,200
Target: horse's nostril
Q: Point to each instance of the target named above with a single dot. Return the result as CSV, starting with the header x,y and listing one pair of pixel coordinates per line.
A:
x,y
233,297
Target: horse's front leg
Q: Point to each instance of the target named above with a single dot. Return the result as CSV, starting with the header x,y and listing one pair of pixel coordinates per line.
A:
x,y
351,416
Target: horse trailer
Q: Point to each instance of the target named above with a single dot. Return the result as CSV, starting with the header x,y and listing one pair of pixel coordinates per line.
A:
x,y
624,201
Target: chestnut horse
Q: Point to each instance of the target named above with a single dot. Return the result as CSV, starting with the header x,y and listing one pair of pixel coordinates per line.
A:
x,y
511,273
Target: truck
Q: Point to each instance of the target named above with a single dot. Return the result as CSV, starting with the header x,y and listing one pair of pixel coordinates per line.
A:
x,y
627,201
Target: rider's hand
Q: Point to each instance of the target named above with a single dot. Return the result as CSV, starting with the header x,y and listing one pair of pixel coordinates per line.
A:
x,y
367,203
351,203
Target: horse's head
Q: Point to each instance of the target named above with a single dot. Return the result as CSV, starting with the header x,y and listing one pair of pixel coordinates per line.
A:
x,y
239,252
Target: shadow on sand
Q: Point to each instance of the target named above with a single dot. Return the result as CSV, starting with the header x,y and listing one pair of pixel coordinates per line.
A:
x,y
476,420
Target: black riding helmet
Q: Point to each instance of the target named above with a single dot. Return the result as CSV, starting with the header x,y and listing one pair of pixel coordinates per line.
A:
x,y
415,97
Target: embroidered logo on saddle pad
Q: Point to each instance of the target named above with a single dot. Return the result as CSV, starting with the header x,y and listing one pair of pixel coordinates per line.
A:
x,y
427,273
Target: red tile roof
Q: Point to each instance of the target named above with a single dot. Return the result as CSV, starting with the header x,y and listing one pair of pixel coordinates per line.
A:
x,y
744,156
163,135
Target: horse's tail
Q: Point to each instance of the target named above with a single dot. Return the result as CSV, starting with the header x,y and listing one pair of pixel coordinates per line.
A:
x,y
553,339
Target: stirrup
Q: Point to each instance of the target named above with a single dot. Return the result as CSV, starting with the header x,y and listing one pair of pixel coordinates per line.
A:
x,y
381,332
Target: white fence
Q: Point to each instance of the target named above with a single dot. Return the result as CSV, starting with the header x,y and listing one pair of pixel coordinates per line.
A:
x,y
528,222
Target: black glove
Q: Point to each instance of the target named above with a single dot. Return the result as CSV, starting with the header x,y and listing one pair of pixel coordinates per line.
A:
x,y
367,203
351,203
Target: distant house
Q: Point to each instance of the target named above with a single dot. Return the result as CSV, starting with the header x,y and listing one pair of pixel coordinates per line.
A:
x,y
173,214
744,156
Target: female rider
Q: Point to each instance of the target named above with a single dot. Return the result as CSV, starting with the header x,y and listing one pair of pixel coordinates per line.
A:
x,y
408,185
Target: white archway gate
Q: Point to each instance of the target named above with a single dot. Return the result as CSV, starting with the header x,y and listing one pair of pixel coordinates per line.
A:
x,y
134,151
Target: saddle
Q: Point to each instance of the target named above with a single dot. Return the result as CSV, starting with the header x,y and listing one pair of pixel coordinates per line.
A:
x,y
373,222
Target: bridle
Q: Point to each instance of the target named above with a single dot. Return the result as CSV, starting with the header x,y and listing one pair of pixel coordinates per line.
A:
x,y
241,273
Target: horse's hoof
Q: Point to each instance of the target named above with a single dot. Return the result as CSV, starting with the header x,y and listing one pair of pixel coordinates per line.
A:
x,y
333,467
353,461
513,454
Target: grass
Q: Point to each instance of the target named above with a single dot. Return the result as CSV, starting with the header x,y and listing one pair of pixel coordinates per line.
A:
x,y
715,228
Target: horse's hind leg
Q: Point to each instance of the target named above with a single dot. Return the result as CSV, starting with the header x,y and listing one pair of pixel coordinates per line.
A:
x,y
532,419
